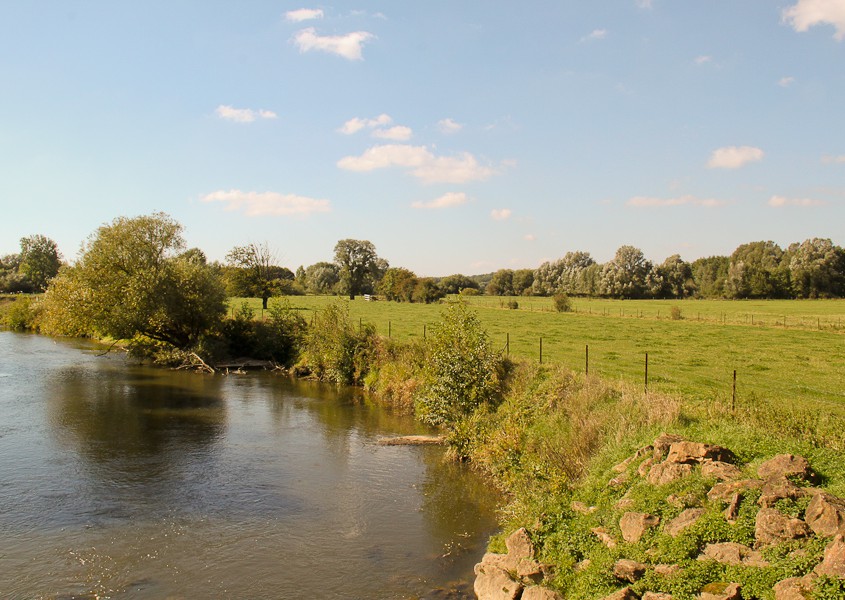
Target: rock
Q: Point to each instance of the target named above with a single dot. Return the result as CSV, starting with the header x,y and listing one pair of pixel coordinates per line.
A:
x,y
580,566
834,559
604,537
826,514
683,520
619,480
530,571
731,553
582,508
634,524
667,472
519,544
656,596
722,471
645,466
787,465
623,466
778,488
772,526
696,452
724,491
628,570
493,583
625,593
662,443
540,593
732,511
625,503
720,591
493,559
794,588
667,570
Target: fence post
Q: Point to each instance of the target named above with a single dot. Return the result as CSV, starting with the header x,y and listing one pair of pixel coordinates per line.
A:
x,y
587,360
508,344
646,373
388,329
733,393
423,330
541,350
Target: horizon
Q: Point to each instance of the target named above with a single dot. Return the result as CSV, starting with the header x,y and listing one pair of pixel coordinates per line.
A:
x,y
456,138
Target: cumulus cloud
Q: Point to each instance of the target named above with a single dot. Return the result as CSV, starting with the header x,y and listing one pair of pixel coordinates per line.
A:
x,y
500,214
529,237
786,81
243,115
444,201
356,124
398,133
832,160
703,59
421,163
686,200
349,46
449,126
595,34
733,157
304,14
807,13
781,201
256,204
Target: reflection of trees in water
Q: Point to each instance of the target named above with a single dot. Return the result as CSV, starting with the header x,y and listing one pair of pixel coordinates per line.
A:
x,y
135,422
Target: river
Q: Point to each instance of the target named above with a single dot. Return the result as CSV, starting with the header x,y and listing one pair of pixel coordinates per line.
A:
x,y
124,481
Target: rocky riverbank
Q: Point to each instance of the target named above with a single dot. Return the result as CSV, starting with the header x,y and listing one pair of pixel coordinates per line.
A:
x,y
763,530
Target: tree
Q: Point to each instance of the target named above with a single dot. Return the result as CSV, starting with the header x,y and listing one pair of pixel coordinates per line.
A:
x,y
427,290
522,281
322,278
710,275
501,284
453,284
676,275
398,284
129,281
256,274
359,266
11,279
626,275
816,269
40,260
571,275
756,271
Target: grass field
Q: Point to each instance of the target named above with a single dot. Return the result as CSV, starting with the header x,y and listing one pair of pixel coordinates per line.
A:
x,y
800,365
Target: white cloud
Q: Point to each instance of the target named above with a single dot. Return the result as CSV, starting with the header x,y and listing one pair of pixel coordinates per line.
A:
x,y
255,204
686,200
832,160
348,46
500,214
786,81
595,34
703,59
807,13
444,201
449,126
733,157
423,164
243,115
529,237
356,124
304,14
643,4
780,201
398,133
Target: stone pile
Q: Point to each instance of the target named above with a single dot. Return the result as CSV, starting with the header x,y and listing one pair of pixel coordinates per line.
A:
x,y
517,574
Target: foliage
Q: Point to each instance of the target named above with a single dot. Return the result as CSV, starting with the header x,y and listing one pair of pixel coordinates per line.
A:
x,y
276,338
512,304
816,269
20,315
427,291
628,275
501,284
676,275
322,278
562,303
710,276
675,313
334,350
470,291
130,281
255,272
575,274
40,261
454,284
398,285
523,280
359,266
756,271
460,368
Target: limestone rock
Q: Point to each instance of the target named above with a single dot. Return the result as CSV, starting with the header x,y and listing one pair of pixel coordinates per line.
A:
x,y
667,472
582,508
634,524
623,466
826,514
519,544
721,591
628,570
625,593
732,511
625,503
619,480
494,560
778,488
662,443
696,452
720,470
683,520
667,570
656,596
493,583
834,559
772,526
531,571
645,466
731,553
540,593
794,588
604,537
787,465
724,491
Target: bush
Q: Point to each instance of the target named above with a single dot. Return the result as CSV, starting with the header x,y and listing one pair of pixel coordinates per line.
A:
x,y
19,315
513,304
675,313
470,292
562,303
460,369
335,350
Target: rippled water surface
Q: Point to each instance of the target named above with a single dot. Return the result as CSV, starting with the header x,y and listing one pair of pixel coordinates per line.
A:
x,y
124,481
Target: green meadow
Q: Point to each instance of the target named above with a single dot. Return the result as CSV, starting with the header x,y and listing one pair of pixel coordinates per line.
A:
x,y
801,363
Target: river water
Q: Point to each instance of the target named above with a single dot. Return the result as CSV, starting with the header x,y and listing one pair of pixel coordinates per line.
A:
x,y
123,481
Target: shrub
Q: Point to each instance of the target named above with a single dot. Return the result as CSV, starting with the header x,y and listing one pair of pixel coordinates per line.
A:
x,y
562,303
513,304
675,313
460,369
20,315
334,350
470,292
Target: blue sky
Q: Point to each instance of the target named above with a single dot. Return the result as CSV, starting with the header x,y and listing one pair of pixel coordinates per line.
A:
x,y
458,137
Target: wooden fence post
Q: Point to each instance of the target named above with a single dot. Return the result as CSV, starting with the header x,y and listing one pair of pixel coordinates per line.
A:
x,y
733,393
646,373
541,350
587,360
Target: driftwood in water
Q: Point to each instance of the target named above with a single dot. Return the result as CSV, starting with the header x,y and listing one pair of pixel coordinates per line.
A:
x,y
412,440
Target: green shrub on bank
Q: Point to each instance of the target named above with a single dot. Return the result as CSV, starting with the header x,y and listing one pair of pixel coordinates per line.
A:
x,y
20,314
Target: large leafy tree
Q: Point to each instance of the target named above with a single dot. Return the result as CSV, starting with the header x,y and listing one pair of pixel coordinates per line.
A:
x,y
359,266
40,261
757,271
676,275
628,274
710,275
816,269
322,278
575,274
255,273
398,284
131,281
